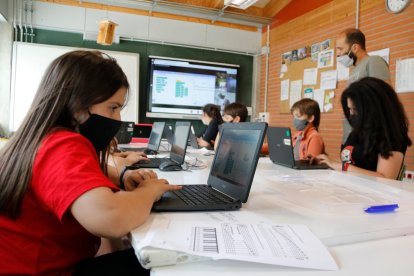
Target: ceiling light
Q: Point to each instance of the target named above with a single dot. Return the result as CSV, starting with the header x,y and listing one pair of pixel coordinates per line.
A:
x,y
240,4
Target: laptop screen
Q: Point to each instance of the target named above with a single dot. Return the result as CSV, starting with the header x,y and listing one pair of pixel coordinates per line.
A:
x,y
236,158
155,137
179,146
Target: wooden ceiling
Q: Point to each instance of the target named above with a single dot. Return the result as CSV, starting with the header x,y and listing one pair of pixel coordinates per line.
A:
x,y
262,8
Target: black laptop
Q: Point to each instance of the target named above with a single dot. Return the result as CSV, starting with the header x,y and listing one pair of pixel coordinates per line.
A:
x,y
168,133
231,174
192,140
178,148
281,150
153,141
125,133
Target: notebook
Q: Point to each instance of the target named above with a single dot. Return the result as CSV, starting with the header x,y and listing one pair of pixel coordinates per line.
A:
x,y
153,142
124,135
178,148
281,150
231,174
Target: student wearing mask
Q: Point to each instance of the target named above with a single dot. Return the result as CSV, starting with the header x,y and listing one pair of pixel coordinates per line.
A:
x,y
58,196
307,141
233,113
212,119
379,137
351,52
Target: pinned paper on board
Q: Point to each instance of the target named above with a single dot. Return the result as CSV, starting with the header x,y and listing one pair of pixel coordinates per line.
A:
x,y
310,76
308,93
404,81
295,92
319,97
328,79
343,72
284,90
326,58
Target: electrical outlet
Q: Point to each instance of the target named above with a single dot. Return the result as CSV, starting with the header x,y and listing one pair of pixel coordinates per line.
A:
x,y
264,117
409,176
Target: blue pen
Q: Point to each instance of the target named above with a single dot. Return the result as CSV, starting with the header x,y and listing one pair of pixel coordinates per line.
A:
x,y
382,208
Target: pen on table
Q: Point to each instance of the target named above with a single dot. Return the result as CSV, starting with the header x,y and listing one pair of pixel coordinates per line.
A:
x,y
381,208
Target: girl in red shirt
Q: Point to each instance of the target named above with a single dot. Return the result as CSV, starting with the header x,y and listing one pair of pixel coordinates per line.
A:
x,y
58,196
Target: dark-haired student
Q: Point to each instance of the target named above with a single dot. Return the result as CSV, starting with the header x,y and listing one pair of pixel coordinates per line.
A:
x,y
212,119
307,141
233,113
379,137
58,197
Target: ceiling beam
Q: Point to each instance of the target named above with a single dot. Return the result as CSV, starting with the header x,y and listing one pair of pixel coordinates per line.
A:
x,y
274,6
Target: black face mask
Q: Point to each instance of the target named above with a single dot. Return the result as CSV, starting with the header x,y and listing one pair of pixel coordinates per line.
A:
x,y
353,119
99,130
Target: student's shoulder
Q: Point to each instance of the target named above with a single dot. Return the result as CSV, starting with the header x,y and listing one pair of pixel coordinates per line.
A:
x,y
62,137
376,60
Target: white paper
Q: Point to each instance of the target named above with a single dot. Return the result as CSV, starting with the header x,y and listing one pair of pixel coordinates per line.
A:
x,y
343,72
310,76
308,93
283,68
326,59
252,240
295,92
328,79
284,90
328,107
404,76
384,53
319,96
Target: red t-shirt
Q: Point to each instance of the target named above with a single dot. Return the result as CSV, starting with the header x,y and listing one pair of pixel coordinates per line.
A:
x,y
46,239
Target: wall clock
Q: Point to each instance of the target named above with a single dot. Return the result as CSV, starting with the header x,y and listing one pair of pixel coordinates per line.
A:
x,y
396,6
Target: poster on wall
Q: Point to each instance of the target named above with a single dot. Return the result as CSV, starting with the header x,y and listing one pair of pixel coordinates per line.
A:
x,y
326,58
404,81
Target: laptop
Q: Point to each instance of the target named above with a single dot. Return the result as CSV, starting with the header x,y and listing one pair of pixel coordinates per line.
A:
x,y
168,133
178,148
193,138
281,150
125,133
153,142
231,174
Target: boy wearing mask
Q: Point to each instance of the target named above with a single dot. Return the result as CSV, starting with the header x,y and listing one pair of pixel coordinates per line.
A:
x,y
307,141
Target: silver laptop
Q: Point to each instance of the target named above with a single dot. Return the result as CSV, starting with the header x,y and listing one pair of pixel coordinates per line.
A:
x,y
231,174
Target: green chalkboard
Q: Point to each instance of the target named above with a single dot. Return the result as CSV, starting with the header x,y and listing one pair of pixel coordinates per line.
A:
x,y
145,49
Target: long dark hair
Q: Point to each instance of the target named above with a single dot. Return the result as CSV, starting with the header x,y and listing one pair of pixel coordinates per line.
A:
x,y
381,124
213,111
72,83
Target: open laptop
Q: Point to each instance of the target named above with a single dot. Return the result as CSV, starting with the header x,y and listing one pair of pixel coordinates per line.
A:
x,y
178,148
124,135
168,133
281,150
231,174
193,138
153,142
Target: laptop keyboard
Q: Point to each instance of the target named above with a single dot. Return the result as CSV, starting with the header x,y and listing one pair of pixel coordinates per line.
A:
x,y
154,161
201,195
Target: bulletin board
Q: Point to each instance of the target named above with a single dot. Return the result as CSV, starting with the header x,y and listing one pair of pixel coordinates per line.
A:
x,y
317,58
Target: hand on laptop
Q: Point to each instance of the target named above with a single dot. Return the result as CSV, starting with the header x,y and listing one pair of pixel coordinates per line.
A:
x,y
324,159
147,179
131,157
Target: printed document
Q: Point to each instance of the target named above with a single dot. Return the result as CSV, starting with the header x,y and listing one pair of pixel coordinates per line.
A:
x,y
252,240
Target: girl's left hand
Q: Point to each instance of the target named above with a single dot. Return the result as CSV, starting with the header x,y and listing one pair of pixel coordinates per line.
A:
x,y
324,159
132,157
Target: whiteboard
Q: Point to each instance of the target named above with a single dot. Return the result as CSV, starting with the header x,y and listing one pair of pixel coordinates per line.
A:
x,y
30,61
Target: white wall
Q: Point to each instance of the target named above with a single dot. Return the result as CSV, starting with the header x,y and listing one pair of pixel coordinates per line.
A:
x,y
77,19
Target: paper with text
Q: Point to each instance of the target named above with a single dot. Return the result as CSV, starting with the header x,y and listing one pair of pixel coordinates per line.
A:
x,y
256,241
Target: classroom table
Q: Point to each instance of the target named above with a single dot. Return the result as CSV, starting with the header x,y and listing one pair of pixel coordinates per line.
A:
x,y
360,243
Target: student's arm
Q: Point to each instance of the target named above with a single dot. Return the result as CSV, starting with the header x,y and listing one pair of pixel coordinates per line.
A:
x,y
387,168
315,146
112,215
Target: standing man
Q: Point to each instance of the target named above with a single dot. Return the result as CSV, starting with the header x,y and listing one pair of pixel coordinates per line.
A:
x,y
351,51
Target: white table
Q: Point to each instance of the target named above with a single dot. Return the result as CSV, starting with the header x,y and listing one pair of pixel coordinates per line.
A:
x,y
362,244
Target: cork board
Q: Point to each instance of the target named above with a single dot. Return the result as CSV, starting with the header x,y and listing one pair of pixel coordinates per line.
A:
x,y
292,73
